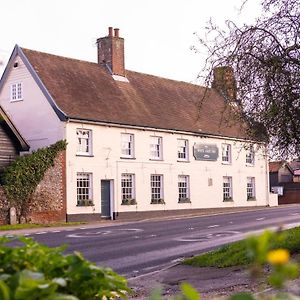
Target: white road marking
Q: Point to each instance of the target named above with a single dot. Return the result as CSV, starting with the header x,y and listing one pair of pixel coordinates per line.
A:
x,y
89,234
213,226
191,228
260,219
56,231
42,232
230,222
294,214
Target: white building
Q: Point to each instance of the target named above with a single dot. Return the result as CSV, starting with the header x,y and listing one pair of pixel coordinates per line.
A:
x,y
136,142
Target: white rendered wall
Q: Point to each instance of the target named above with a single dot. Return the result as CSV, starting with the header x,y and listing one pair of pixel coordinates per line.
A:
x,y
105,163
33,116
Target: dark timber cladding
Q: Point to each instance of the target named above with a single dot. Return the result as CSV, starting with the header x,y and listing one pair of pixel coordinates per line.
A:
x,y
11,142
9,148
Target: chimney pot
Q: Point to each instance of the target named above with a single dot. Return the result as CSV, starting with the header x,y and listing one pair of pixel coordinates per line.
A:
x,y
110,31
111,52
116,32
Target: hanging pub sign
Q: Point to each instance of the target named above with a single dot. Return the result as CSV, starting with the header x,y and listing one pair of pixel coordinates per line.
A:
x,y
208,152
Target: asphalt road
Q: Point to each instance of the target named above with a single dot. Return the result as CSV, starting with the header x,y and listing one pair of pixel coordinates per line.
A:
x,y
138,248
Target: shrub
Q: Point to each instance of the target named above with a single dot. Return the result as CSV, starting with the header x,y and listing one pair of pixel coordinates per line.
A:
x,y
34,271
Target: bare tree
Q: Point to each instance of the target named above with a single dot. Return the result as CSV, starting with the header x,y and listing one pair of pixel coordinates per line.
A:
x,y
265,57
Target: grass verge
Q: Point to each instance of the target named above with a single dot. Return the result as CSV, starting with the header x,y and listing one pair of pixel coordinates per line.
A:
x,y
29,226
235,254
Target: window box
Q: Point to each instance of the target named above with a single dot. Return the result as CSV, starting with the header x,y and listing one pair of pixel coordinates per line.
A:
x,y
85,203
229,199
184,200
158,201
129,201
251,199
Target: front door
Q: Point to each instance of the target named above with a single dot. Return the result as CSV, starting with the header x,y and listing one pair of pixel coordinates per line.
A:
x,y
105,198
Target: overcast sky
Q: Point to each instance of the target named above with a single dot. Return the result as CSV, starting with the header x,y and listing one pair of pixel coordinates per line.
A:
x,y
158,33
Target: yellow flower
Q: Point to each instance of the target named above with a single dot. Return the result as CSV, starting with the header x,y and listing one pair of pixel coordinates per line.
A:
x,y
278,257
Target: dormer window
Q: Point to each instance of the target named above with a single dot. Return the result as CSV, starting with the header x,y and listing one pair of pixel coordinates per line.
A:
x,y
16,91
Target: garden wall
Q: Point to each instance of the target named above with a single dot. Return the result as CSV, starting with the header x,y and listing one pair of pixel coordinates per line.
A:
x,y
48,202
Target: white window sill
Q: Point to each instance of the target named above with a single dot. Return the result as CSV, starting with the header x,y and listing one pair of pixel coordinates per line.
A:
x,y
156,159
84,154
226,163
127,157
16,100
183,160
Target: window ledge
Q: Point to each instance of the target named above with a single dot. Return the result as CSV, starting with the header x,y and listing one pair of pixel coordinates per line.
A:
x,y
226,163
157,201
129,202
84,155
249,165
183,160
251,199
130,158
156,159
184,200
17,100
228,200
84,203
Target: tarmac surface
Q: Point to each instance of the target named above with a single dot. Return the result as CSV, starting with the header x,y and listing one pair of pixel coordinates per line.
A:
x,y
212,283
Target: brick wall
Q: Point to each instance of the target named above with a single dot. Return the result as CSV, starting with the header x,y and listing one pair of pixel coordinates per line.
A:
x,y
48,202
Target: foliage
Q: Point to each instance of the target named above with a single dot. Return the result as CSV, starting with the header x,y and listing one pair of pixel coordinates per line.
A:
x,y
21,178
250,250
265,57
34,271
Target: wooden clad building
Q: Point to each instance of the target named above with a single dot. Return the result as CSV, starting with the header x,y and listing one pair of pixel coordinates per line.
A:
x,y
11,142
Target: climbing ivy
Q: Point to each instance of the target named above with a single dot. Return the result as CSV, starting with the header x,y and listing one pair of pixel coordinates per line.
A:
x,y
21,178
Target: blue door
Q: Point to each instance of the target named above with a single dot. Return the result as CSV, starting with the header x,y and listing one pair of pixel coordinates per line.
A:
x,y
105,199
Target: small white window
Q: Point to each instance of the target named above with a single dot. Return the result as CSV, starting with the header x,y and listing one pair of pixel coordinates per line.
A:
x,y
16,91
250,188
183,189
227,188
84,142
226,153
157,189
250,156
84,189
128,189
127,146
156,147
182,150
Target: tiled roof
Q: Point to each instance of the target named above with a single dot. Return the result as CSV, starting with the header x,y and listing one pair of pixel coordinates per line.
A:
x,y
86,90
274,166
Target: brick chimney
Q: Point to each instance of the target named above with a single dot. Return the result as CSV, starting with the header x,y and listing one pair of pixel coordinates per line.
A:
x,y
224,82
111,52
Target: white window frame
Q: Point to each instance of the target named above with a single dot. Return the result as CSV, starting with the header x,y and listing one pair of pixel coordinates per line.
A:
x,y
16,91
183,188
182,150
226,154
84,142
84,189
127,145
250,156
250,188
156,147
128,188
157,188
227,188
